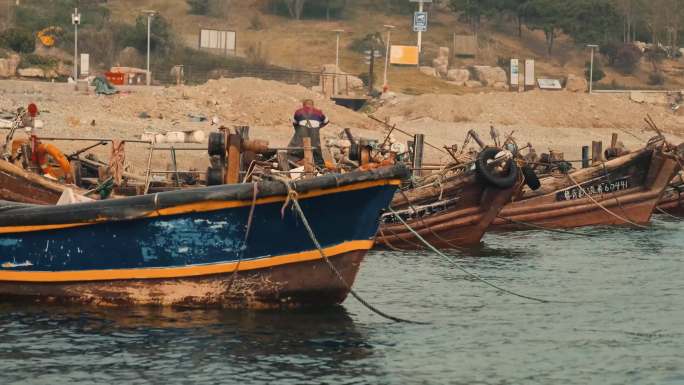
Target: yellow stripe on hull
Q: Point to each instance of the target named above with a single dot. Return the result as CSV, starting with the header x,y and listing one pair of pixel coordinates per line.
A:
x,y
207,206
180,272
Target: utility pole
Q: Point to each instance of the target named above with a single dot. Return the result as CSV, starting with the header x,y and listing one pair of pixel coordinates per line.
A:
x,y
337,59
591,67
385,85
76,20
150,14
420,31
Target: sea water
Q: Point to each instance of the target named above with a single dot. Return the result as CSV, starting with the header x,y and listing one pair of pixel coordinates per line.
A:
x,y
616,316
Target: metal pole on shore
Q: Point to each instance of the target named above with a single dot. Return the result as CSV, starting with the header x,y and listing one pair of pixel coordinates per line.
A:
x,y
385,86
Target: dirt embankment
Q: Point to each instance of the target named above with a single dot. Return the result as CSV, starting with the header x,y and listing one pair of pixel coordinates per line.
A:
x,y
265,106
535,108
558,120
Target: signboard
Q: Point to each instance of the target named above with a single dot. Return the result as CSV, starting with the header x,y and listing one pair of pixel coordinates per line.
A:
x,y
529,73
85,64
420,21
549,84
593,189
515,72
217,40
404,54
465,45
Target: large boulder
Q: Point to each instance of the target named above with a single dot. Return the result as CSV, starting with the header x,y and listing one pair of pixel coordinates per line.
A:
x,y
429,71
576,83
33,72
458,76
4,69
490,76
441,62
14,61
344,82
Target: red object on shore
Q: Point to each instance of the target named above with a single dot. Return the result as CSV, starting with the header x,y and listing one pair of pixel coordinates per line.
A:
x,y
116,78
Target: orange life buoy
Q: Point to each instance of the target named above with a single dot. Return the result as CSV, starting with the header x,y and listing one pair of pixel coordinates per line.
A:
x,y
42,152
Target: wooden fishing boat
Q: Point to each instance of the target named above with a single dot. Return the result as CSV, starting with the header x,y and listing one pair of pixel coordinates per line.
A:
x,y
19,185
190,248
672,201
452,212
619,191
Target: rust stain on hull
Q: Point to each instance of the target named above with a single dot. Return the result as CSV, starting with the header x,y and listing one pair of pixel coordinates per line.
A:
x,y
292,285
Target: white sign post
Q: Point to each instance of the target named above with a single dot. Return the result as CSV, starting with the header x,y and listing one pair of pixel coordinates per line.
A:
x,y
420,21
85,64
515,73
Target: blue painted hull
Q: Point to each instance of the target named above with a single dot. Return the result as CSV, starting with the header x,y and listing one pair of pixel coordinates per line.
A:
x,y
197,255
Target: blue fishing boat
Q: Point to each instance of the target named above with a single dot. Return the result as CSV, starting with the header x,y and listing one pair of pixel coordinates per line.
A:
x,y
230,246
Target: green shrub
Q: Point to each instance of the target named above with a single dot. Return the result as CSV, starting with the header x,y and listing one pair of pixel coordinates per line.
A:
x,y
598,71
627,58
656,78
18,40
198,7
33,60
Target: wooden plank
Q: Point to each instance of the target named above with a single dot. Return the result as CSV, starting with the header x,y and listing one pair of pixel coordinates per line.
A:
x,y
233,160
308,158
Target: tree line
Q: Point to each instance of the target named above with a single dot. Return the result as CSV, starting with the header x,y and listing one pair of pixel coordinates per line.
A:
x,y
586,21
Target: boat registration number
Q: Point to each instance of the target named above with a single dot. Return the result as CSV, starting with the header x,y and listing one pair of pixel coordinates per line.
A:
x,y
593,189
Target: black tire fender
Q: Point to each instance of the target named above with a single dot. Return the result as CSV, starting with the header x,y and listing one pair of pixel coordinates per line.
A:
x,y
217,144
491,178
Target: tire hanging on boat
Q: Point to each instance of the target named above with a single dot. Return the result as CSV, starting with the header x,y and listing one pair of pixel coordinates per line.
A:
x,y
489,176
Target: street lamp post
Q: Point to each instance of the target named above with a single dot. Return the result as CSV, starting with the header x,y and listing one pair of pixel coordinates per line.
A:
x,y
591,67
149,14
389,28
75,20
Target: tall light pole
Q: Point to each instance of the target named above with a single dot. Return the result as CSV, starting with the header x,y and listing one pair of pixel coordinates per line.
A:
x,y
591,67
75,20
150,14
420,32
337,47
389,28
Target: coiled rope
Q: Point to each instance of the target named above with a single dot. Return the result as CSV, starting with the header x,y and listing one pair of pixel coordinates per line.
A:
x,y
293,199
464,270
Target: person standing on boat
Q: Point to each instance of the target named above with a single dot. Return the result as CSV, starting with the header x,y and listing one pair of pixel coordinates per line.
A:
x,y
308,122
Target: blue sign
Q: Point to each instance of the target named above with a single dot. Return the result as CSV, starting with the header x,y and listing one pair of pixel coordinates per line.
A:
x,y
420,21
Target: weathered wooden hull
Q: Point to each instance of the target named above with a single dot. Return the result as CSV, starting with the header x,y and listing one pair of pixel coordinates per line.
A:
x,y
187,248
462,224
19,185
629,187
309,283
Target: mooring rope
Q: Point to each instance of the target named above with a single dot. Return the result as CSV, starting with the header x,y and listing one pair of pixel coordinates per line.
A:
x,y
538,227
602,206
464,270
255,192
293,199
666,213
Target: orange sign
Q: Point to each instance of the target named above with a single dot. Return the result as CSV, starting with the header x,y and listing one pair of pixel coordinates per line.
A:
x,y
404,54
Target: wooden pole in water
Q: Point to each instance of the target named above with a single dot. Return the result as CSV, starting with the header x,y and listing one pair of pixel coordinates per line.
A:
x,y
614,140
585,156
